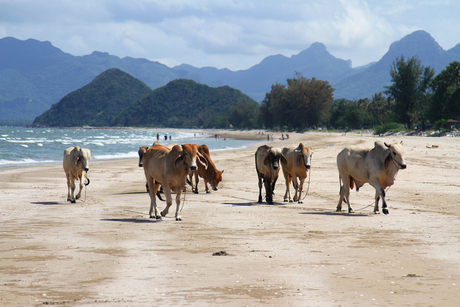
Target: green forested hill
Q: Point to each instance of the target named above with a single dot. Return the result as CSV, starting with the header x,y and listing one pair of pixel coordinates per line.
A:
x,y
97,103
184,103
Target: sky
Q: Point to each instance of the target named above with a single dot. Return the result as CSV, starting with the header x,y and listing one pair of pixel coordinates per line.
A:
x,y
233,34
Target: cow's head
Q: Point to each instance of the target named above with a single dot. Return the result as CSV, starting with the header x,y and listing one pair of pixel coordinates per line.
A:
x,y
216,177
189,156
273,157
395,155
141,152
305,155
81,157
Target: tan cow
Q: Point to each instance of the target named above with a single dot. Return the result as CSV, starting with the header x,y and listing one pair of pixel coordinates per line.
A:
x,y
75,163
297,166
377,166
267,167
169,167
210,175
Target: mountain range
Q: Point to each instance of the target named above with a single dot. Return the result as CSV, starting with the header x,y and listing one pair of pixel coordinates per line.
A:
x,y
115,98
34,75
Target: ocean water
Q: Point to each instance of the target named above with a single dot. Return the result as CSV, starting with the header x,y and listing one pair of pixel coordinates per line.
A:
x,y
28,146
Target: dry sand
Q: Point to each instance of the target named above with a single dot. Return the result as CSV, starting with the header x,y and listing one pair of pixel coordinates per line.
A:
x,y
105,251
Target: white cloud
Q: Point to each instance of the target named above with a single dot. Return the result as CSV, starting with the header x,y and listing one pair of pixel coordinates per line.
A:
x,y
235,34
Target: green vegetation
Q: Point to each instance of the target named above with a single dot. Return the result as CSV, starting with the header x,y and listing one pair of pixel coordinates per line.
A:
x,y
305,102
96,104
184,103
415,98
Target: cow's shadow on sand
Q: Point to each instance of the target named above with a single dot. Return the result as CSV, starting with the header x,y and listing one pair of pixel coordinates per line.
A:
x,y
48,203
132,220
335,213
253,203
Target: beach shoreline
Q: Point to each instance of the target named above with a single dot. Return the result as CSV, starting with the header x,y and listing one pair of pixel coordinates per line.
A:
x,y
104,250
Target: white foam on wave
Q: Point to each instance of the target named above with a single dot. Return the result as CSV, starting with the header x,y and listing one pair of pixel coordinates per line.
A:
x,y
132,154
24,162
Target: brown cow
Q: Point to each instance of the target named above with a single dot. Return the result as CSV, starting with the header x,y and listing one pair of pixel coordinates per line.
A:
x,y
298,164
210,175
267,167
377,166
169,167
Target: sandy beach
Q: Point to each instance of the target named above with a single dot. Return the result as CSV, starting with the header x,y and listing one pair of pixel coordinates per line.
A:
x,y
105,251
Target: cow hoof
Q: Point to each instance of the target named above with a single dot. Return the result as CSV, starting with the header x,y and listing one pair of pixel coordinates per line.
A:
x,y
208,192
351,211
162,214
385,211
300,202
73,201
178,218
196,192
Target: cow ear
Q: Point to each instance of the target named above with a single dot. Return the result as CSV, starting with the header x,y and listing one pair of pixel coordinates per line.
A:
x,y
78,160
202,159
283,160
267,159
387,161
179,160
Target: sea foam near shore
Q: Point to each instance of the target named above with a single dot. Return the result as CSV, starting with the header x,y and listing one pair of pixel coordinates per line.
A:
x,y
28,146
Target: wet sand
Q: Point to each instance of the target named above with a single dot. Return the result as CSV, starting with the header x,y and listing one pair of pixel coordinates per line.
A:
x,y
105,251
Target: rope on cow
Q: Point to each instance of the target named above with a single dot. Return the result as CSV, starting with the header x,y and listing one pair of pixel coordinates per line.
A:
x,y
372,203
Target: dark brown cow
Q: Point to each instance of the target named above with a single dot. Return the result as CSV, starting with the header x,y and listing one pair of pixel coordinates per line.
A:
x,y
267,167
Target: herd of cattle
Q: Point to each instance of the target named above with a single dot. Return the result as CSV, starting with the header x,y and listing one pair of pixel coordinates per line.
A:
x,y
171,167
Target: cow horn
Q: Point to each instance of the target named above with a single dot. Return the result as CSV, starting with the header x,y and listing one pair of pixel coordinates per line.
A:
x,y
387,145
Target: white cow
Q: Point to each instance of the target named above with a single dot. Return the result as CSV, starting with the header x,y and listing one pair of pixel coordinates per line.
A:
x,y
75,163
377,166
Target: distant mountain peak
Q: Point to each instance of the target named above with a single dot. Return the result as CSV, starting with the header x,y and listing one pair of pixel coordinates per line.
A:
x,y
415,40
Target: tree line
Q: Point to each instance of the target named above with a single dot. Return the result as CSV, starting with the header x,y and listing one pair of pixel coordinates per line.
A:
x,y
415,98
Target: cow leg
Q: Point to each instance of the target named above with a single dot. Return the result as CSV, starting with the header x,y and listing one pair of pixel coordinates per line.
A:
x,y
381,192
273,185
167,191
345,194
287,194
178,217
72,190
300,188
196,182
69,196
260,186
296,188
376,206
81,187
268,190
206,187
153,188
